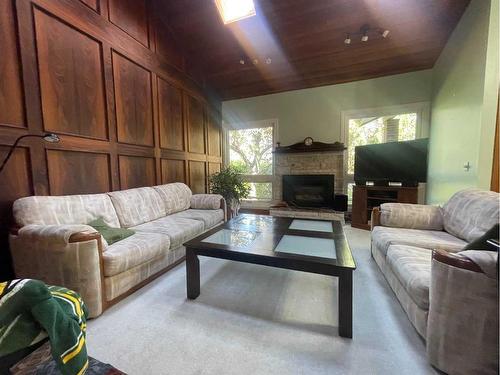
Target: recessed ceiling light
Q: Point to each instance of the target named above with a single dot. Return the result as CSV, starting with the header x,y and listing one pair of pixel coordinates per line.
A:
x,y
235,10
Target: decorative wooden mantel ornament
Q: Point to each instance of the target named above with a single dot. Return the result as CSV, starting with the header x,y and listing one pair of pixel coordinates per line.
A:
x,y
309,145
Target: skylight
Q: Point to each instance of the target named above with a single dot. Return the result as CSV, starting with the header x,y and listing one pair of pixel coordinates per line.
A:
x,y
235,10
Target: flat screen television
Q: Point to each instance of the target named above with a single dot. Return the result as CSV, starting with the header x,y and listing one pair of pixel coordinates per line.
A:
x,y
392,162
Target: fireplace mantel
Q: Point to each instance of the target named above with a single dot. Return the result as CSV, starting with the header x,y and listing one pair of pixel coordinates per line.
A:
x,y
300,147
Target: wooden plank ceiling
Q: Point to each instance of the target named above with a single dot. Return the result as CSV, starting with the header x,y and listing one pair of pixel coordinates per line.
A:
x,y
305,41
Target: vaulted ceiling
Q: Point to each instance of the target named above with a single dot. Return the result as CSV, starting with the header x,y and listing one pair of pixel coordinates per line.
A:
x,y
305,41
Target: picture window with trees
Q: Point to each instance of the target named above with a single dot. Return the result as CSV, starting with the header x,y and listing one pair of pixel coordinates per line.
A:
x,y
251,153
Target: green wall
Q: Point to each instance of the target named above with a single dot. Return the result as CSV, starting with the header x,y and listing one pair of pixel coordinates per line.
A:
x,y
464,96
316,112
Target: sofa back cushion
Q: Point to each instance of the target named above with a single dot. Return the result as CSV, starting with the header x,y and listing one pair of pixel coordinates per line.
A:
x,y
137,206
68,209
470,213
175,196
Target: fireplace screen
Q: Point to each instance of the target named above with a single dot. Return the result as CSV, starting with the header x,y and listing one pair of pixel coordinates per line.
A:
x,y
309,190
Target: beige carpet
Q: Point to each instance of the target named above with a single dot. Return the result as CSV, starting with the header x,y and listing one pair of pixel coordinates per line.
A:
x,y
253,319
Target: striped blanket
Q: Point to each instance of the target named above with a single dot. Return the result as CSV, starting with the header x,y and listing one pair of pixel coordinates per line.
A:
x,y
30,311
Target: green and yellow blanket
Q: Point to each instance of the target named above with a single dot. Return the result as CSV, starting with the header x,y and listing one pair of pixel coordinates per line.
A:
x,y
30,311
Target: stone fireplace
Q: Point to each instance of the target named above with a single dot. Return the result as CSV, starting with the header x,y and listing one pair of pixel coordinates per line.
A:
x,y
308,163
314,160
311,190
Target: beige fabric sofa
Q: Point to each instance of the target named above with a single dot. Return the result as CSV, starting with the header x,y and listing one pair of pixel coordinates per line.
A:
x,y
54,244
449,295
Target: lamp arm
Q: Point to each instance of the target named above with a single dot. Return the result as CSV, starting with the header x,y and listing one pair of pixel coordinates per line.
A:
x,y
13,147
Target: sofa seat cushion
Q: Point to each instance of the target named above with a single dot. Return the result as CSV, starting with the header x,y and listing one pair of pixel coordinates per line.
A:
x,y
383,237
412,267
133,251
210,218
178,229
137,206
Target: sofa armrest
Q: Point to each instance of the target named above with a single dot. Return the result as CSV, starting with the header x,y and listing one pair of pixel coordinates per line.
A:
x,y
66,255
455,260
462,326
412,216
207,201
60,234
375,218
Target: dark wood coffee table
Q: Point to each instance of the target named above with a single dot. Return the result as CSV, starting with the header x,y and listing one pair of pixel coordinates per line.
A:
x,y
296,244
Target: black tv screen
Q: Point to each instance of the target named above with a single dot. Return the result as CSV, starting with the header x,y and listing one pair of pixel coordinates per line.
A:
x,y
404,162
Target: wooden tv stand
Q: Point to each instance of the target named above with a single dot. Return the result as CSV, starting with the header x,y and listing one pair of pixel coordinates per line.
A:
x,y
365,198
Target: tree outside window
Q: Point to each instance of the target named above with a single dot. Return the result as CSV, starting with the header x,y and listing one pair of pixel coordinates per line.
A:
x,y
250,151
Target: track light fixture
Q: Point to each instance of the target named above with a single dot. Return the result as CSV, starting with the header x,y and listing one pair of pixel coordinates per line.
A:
x,y
255,61
366,33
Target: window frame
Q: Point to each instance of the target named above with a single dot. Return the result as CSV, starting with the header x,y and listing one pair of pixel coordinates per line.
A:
x,y
422,109
227,127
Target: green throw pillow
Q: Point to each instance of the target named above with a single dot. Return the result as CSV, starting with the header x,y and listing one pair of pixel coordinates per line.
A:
x,y
481,244
111,235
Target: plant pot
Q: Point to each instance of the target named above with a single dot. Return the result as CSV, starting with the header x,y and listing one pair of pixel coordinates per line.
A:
x,y
233,209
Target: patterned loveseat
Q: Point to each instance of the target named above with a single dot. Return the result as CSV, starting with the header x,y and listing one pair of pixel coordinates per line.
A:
x,y
54,244
449,295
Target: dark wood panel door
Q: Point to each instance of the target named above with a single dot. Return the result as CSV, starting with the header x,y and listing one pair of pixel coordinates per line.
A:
x,y
213,168
133,101
11,93
172,171
495,171
214,134
71,79
72,172
170,116
15,182
136,171
196,128
167,47
197,177
131,17
93,4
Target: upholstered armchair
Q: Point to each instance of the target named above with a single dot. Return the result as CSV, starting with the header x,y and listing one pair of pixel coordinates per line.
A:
x,y
462,328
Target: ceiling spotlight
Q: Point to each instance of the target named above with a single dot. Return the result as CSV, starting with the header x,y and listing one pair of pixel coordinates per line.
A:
x,y
242,62
268,60
255,61
385,33
347,39
364,38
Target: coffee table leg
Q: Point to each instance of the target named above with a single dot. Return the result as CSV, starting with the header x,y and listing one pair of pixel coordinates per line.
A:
x,y
345,304
192,274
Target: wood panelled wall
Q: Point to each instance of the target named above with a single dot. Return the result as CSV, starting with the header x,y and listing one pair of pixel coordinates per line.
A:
x,y
109,78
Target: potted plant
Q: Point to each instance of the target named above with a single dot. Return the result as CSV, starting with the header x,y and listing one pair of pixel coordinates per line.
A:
x,y
229,183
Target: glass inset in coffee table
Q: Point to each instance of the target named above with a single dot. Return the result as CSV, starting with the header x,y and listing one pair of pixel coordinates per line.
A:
x,y
298,244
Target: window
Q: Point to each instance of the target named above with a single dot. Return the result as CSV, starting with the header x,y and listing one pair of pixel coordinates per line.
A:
x,y
250,151
235,10
380,125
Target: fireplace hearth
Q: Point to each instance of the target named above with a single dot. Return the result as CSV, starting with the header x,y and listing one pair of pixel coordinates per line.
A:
x,y
309,191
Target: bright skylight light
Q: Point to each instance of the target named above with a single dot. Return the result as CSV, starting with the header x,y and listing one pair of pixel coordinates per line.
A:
x,y
235,10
